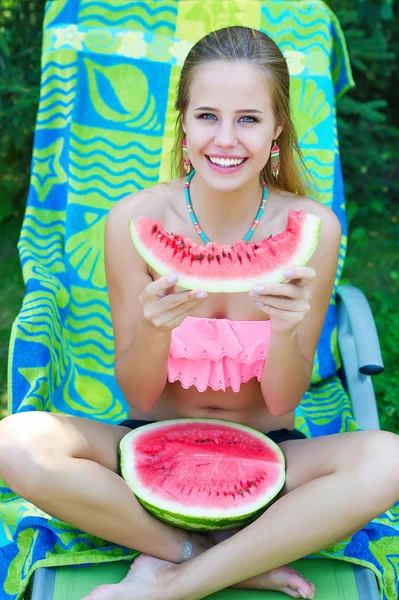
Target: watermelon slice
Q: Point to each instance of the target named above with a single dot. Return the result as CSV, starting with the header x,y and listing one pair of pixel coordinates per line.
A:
x,y
220,268
202,474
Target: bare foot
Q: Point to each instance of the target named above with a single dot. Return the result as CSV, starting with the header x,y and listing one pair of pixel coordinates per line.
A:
x,y
148,579
282,579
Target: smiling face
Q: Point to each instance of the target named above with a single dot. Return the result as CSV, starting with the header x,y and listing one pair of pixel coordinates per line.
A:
x,y
221,131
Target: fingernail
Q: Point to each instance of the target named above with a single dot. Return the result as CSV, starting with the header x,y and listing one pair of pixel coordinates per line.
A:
x,y
258,303
289,274
258,289
200,295
173,278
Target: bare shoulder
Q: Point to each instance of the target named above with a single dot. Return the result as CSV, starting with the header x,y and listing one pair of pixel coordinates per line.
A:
x,y
330,224
329,244
148,202
326,214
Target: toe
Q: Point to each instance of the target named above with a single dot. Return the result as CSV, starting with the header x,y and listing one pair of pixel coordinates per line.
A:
x,y
305,588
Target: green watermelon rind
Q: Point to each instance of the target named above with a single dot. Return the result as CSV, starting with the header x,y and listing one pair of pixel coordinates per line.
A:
x,y
188,519
201,524
311,228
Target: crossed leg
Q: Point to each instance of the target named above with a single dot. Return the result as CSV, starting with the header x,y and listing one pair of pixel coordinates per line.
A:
x,y
335,485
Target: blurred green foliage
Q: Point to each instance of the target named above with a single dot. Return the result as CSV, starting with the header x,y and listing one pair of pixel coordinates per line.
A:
x,y
368,126
20,46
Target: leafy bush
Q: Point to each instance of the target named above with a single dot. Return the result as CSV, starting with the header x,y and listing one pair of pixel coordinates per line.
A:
x,y
20,46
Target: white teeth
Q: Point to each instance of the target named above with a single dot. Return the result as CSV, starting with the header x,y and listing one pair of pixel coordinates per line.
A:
x,y
226,162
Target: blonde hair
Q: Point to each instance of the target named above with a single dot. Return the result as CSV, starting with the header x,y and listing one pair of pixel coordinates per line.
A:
x,y
254,47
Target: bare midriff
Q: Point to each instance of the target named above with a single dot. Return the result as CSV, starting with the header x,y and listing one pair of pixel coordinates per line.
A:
x,y
247,406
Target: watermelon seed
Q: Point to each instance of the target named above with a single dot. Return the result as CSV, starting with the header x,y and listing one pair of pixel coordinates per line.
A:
x,y
159,235
163,467
218,258
199,257
229,255
181,246
224,254
210,257
239,257
248,256
240,492
154,228
256,246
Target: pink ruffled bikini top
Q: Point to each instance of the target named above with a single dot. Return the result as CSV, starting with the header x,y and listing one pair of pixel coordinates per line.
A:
x,y
217,353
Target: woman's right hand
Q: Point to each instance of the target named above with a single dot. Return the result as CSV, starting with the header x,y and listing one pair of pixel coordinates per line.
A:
x,y
164,308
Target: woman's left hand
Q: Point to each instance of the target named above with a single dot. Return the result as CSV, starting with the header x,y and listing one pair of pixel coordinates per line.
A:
x,y
286,303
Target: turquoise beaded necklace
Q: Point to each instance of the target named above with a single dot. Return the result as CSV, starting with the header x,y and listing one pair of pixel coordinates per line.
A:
x,y
195,220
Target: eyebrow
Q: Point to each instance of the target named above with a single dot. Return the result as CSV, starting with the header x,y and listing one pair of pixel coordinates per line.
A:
x,y
247,110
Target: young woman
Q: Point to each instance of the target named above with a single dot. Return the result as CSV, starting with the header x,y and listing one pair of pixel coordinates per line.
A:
x,y
233,103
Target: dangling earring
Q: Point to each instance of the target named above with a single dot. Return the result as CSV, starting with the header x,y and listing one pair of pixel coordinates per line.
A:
x,y
186,160
275,160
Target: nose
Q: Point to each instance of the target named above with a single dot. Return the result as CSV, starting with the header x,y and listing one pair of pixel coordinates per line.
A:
x,y
225,137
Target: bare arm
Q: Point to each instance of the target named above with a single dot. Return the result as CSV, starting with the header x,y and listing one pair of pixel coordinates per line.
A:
x,y
144,312
141,352
286,375
141,371
289,364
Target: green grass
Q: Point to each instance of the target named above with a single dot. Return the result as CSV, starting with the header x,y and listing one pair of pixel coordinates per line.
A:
x,y
372,264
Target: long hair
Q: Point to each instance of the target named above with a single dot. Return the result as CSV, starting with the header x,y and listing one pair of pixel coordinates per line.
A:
x,y
255,48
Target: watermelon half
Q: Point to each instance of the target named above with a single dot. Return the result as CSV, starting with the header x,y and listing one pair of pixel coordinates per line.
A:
x,y
202,474
220,268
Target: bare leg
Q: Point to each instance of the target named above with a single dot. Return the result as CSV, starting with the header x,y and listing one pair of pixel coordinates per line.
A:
x,y
310,518
68,467
35,464
315,515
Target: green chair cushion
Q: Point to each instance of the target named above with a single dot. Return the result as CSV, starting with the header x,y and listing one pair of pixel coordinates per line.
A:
x,y
334,580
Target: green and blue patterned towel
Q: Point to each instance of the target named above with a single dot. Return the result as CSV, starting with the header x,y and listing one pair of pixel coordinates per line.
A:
x,y
104,129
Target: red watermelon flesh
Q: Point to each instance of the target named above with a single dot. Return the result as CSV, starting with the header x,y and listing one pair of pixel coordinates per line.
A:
x,y
202,473
220,268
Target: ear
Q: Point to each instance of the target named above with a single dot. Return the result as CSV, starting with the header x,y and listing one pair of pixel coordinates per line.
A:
x,y
182,124
278,130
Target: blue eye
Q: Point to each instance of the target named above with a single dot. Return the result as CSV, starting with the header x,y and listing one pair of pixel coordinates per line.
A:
x,y
253,119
